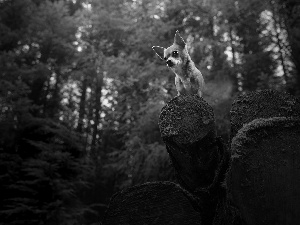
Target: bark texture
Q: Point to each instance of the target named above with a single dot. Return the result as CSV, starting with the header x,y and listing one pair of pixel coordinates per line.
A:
x,y
263,179
187,127
153,203
262,184
262,104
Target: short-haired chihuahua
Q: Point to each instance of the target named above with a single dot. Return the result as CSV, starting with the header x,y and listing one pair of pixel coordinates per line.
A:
x,y
188,79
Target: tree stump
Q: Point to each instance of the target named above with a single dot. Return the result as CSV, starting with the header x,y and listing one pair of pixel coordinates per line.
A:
x,y
264,177
153,203
187,127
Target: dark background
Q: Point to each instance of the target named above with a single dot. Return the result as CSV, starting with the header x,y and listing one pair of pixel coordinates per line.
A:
x,y
81,91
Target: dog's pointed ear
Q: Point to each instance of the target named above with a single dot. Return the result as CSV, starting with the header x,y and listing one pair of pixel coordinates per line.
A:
x,y
179,40
159,51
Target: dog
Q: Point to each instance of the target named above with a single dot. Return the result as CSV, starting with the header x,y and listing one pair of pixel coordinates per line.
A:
x,y
188,79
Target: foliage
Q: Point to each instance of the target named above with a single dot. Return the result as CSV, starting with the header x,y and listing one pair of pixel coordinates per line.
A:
x,y
41,175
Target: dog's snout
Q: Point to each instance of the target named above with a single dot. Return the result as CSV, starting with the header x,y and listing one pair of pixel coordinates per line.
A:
x,y
170,63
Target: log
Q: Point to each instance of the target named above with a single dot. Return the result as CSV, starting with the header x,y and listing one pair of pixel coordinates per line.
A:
x,y
262,183
262,104
226,214
200,159
153,203
264,177
187,127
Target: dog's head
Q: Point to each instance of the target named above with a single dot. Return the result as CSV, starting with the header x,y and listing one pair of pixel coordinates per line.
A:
x,y
175,55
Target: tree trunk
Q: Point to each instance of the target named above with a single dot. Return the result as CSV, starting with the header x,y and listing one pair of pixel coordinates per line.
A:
x,y
98,88
82,104
278,42
55,100
235,75
291,9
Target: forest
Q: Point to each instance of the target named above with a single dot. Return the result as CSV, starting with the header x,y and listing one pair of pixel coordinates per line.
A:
x,y
81,91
